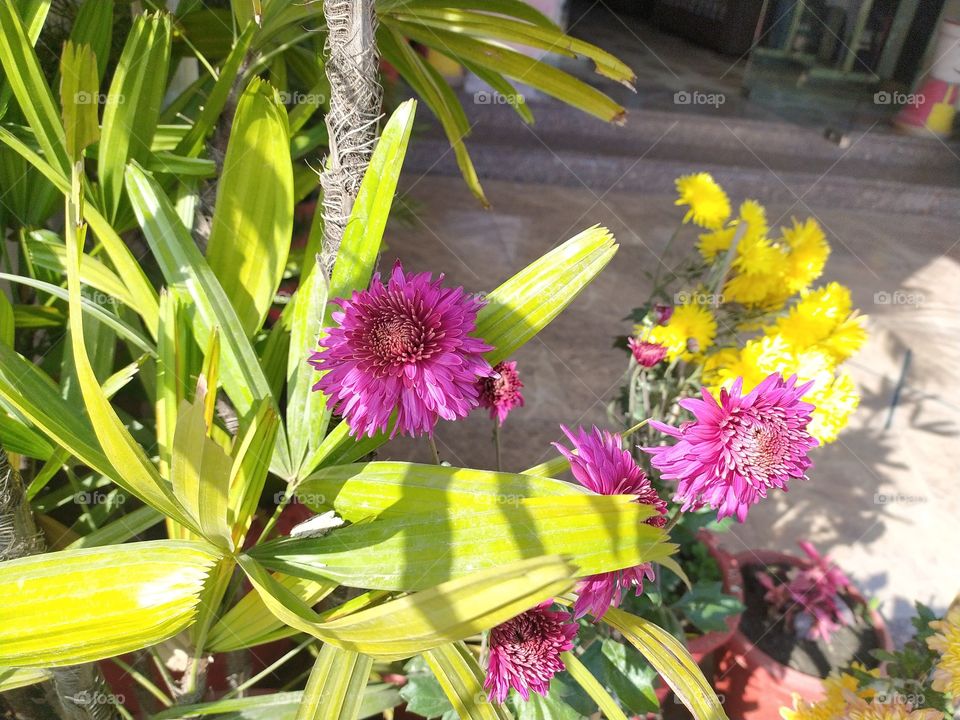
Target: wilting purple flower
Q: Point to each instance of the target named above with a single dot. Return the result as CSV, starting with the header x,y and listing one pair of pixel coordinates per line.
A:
x,y
738,448
647,354
662,313
500,392
405,347
816,590
599,462
525,652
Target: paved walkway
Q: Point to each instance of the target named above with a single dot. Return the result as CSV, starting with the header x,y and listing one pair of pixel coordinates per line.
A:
x,y
883,502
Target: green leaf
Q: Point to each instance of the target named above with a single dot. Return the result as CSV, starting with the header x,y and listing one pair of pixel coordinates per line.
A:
x,y
527,302
538,707
279,706
305,408
18,438
608,706
120,530
200,471
91,309
671,659
253,219
415,550
79,86
26,79
363,234
132,106
144,297
624,671
136,473
435,91
510,8
708,607
46,250
186,269
336,685
412,624
485,27
192,142
391,488
75,606
422,692
461,678
500,59
93,26
250,623
251,462
13,678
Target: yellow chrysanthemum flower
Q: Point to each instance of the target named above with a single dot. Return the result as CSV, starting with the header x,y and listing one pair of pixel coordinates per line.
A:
x,y
756,255
835,402
823,320
946,674
807,255
717,242
838,692
846,338
862,710
751,290
689,332
709,206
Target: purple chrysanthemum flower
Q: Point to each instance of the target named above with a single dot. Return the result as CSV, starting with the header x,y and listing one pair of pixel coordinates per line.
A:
x,y
738,448
599,462
403,346
500,392
525,652
647,354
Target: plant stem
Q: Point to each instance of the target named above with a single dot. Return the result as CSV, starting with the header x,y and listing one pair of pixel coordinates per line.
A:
x,y
433,449
496,444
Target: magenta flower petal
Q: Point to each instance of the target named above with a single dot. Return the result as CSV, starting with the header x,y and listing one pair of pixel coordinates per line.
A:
x,y
500,392
403,347
599,463
647,354
739,447
525,652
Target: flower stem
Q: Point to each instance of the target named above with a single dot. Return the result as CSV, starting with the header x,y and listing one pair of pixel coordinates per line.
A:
x,y
433,449
496,444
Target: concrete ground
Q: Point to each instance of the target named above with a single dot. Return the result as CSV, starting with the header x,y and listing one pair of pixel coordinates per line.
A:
x,y
882,501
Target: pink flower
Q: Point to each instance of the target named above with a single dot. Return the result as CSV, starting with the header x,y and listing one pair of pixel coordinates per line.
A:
x,y
405,347
738,448
500,392
647,354
525,652
599,462
817,590
662,313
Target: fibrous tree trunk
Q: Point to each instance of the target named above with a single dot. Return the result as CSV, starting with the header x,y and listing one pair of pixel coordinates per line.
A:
x,y
78,692
355,99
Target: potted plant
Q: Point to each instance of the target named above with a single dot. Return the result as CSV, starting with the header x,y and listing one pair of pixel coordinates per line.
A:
x,y
804,618
921,681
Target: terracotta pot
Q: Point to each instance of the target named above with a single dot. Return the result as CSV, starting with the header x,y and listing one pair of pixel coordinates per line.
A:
x,y
702,647
754,685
